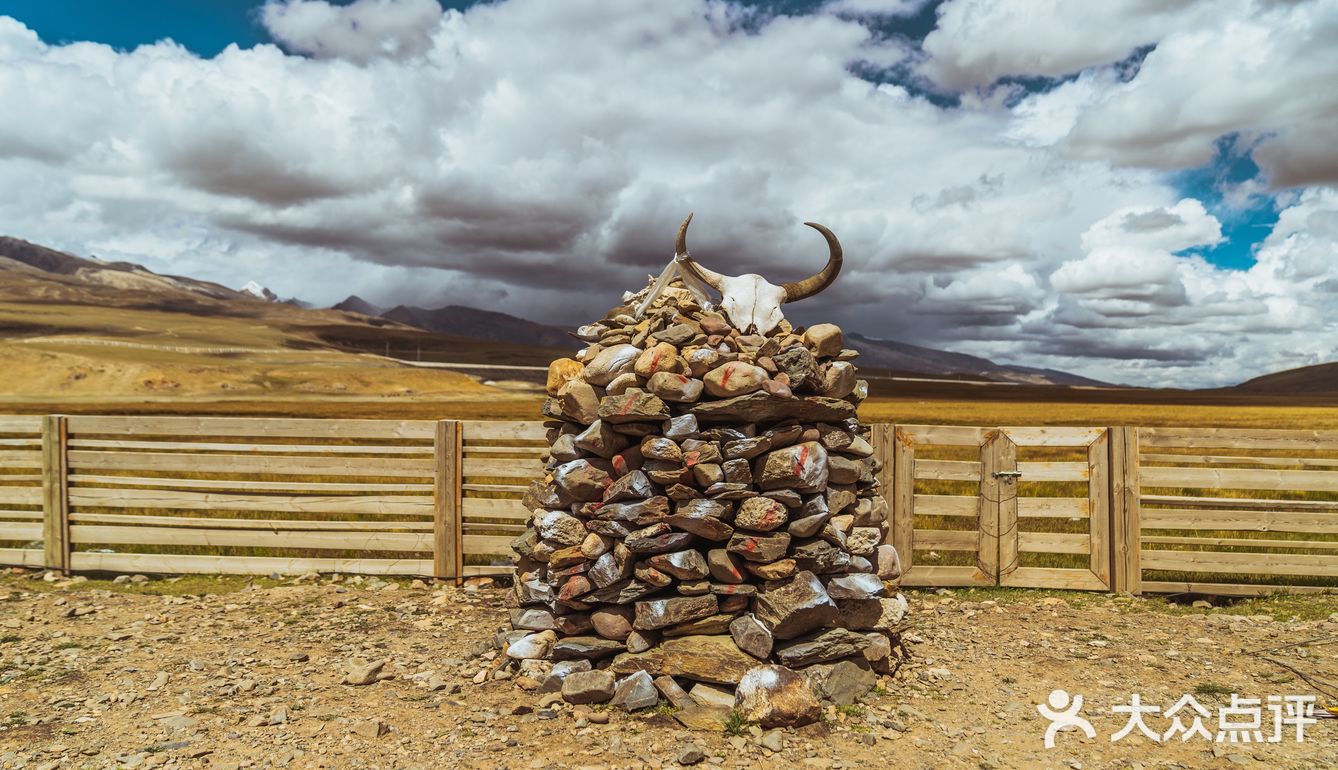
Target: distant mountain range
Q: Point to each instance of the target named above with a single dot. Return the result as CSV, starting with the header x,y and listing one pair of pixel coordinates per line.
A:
x,y
897,358
47,294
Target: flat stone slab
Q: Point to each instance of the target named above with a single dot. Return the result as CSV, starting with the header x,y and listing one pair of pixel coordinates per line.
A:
x,y
714,659
764,407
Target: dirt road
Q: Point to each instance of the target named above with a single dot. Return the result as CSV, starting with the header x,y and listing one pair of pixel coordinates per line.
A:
x,y
216,673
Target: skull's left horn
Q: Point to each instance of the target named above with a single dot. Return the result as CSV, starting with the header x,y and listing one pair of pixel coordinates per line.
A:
x,y
818,281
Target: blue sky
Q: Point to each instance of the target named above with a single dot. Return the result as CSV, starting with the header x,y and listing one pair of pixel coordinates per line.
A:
x,y
1052,184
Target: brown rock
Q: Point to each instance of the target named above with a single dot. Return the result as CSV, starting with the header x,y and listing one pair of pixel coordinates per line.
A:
x,y
613,622
759,548
577,401
776,570
724,566
802,467
775,696
761,514
632,406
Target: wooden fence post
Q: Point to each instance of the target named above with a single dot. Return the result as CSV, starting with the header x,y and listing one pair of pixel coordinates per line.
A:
x,y
55,494
1125,510
447,542
996,553
901,496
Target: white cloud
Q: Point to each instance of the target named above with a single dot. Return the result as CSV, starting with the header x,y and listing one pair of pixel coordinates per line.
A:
x,y
526,152
977,42
359,31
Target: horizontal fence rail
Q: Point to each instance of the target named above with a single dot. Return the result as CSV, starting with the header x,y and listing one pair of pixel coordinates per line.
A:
x,y
1170,510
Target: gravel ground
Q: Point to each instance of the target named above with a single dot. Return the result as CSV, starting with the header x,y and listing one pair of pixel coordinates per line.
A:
x,y
228,673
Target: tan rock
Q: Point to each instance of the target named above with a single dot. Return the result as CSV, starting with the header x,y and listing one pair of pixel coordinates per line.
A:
x,y
562,371
824,339
734,379
660,358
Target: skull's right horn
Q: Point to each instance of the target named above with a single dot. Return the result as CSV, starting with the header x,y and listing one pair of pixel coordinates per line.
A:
x,y
821,280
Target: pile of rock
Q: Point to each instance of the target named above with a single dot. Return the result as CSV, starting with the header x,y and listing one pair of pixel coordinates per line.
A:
x,y
711,506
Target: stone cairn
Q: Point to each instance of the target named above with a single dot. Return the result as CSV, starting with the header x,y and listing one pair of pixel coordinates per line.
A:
x,y
709,518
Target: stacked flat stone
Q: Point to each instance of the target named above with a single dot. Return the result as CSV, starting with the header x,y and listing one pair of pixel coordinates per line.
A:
x,y
710,505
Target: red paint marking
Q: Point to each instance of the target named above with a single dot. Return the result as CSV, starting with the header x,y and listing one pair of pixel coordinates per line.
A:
x,y
683,379
724,379
596,506
655,361
691,458
607,482
627,405
620,464
803,457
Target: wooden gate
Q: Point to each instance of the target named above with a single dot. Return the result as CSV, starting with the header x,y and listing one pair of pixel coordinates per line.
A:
x,y
967,510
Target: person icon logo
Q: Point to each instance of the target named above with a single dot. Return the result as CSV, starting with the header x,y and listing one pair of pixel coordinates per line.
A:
x,y
1062,711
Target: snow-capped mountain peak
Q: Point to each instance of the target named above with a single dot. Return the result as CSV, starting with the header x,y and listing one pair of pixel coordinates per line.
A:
x,y
259,292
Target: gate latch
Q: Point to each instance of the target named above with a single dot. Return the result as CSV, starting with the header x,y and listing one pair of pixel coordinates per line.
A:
x,y
1008,474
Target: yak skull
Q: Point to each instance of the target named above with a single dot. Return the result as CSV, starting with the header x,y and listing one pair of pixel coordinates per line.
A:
x,y
751,302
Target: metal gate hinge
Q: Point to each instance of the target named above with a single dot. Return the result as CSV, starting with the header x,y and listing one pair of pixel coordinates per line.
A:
x,y
1008,474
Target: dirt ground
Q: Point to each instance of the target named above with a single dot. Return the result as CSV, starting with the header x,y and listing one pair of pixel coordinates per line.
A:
x,y
229,673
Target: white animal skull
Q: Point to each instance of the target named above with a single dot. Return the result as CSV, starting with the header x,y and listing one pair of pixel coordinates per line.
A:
x,y
751,302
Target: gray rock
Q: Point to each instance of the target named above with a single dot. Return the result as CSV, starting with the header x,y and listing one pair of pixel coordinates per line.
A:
x,y
882,614
600,439
751,636
662,613
841,683
623,592
855,586
794,607
586,648
611,362
681,427
635,691
821,648
580,480
588,686
559,672
657,538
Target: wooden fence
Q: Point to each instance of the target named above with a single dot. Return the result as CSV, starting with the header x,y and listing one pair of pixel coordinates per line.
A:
x,y
1109,509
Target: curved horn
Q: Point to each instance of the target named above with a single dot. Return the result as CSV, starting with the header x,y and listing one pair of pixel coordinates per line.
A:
x,y
708,277
818,281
